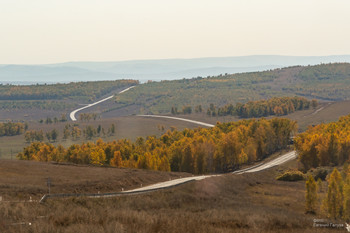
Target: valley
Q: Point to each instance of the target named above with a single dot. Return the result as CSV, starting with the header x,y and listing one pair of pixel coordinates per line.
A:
x,y
240,191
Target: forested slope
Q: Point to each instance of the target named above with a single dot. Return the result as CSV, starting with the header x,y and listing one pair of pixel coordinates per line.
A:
x,y
57,97
323,82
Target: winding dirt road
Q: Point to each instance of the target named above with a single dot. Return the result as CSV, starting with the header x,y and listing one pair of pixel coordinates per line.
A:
x,y
260,167
179,119
72,114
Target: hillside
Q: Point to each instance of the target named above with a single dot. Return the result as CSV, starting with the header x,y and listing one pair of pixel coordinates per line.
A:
x,y
79,90
24,179
330,82
230,203
34,102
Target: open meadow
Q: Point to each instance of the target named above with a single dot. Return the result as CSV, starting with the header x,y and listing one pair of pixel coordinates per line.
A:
x,y
231,203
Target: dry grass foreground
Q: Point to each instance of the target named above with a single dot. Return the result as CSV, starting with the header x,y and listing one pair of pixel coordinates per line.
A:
x,y
230,203
20,180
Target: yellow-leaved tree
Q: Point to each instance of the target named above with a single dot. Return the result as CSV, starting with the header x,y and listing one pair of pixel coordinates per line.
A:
x,y
334,199
311,195
98,156
117,159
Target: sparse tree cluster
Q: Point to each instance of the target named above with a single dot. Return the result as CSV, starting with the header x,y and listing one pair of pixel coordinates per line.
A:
x,y
55,120
11,129
336,203
34,135
186,109
219,149
52,135
88,132
71,131
88,116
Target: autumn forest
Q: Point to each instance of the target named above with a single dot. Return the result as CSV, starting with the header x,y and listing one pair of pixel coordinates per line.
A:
x,y
220,149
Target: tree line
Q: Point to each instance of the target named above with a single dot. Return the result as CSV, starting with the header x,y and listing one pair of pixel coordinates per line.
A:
x,y
90,90
56,105
325,144
277,106
220,149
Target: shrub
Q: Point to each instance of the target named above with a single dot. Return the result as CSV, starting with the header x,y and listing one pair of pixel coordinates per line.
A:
x,y
320,173
291,175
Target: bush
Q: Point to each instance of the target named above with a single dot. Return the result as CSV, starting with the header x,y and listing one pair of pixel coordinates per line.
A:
x,y
320,173
291,175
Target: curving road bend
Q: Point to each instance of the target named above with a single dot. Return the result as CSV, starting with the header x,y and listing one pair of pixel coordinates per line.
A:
x,y
72,114
171,183
179,119
278,161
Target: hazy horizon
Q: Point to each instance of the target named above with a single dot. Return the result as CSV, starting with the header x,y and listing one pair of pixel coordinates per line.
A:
x,y
156,70
178,58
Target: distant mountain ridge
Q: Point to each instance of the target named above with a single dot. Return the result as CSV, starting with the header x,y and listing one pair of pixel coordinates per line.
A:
x,y
156,70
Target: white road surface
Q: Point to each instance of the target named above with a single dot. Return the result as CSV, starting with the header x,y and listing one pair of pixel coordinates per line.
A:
x,y
171,183
72,114
179,119
281,159
166,184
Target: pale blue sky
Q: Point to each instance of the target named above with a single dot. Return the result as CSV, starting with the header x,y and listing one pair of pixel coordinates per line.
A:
x,y
49,31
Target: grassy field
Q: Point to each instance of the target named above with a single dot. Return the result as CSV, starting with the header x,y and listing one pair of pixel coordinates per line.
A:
x,y
129,127
230,203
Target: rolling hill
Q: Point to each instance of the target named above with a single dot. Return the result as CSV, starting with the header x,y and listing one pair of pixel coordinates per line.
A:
x,y
156,70
326,82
